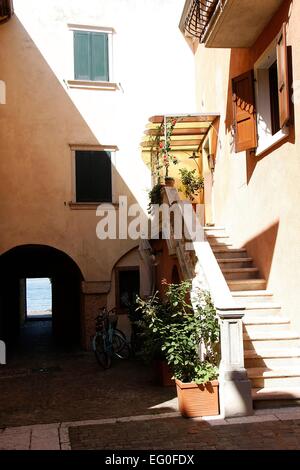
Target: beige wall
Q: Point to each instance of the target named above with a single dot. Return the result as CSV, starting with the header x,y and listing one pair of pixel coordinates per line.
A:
x,y
257,198
42,117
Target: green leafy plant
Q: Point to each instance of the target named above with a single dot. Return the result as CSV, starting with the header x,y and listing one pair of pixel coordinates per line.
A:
x,y
162,157
154,196
151,316
180,330
192,183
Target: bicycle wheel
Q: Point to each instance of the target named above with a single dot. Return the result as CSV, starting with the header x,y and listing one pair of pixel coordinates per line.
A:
x,y
103,358
121,347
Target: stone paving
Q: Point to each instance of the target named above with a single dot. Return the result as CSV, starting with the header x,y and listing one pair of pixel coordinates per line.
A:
x,y
266,430
53,400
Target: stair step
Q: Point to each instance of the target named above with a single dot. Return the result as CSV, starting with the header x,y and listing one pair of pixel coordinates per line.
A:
x,y
268,312
272,358
223,252
222,244
268,339
235,263
265,320
253,296
240,273
265,305
270,335
285,393
247,284
272,353
257,372
285,380
218,238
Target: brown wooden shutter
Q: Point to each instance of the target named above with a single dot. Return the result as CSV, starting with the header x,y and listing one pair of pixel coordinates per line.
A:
x,y
244,112
283,78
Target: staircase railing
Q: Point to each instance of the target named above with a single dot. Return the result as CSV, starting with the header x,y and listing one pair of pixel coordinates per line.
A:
x,y
198,263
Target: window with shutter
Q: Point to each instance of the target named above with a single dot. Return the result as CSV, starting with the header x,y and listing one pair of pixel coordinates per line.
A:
x,y
244,112
93,176
283,78
272,94
91,57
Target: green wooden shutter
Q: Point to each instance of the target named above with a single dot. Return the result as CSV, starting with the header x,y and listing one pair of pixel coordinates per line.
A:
x,y
82,55
93,176
99,57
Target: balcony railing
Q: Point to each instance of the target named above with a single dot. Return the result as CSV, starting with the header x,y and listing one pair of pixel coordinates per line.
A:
x,y
6,10
227,23
199,16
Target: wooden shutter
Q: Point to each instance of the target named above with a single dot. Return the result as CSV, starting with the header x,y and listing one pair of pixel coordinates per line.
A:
x,y
283,78
93,176
82,56
244,113
99,57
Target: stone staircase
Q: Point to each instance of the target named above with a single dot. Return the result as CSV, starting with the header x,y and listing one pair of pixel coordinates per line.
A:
x,y
271,346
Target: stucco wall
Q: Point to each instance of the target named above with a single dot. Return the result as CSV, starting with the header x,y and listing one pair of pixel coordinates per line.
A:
x,y
257,198
42,117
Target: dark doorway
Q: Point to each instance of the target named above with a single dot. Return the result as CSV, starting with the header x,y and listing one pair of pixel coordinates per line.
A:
x,y
127,287
38,261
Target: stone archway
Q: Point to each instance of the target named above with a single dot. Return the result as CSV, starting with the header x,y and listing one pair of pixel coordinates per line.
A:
x,y
33,261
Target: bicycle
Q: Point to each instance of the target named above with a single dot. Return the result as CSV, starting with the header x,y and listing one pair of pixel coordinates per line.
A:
x,y
109,341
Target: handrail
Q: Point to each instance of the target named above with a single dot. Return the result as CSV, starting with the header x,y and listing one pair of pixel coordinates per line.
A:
x,y
235,386
207,262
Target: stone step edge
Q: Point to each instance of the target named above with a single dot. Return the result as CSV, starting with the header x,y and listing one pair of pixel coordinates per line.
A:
x,y
274,393
271,336
262,306
268,320
272,353
265,372
240,270
252,293
234,260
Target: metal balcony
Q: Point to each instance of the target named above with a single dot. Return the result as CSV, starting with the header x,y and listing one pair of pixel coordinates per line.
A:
x,y
227,23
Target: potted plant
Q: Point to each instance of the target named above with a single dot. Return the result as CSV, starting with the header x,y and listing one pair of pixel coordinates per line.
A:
x,y
154,196
192,183
149,336
189,338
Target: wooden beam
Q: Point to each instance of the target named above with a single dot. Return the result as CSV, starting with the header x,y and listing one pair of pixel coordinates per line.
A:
x,y
206,118
188,131
177,143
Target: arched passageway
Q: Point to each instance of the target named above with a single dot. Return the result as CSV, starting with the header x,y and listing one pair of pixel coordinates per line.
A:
x,y
39,261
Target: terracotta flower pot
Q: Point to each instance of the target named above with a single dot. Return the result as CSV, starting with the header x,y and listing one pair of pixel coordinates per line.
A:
x,y
164,374
198,400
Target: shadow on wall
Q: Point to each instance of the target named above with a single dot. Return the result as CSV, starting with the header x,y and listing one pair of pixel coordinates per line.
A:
x,y
262,247
243,60
38,123
46,120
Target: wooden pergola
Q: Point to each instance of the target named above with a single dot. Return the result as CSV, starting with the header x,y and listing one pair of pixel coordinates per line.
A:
x,y
187,136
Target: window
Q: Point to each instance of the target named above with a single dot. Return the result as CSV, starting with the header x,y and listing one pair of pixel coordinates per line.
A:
x,y
91,56
261,100
93,176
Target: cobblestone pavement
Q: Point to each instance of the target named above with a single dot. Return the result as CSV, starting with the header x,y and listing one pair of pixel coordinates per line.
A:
x,y
57,400
266,430
73,387
179,433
